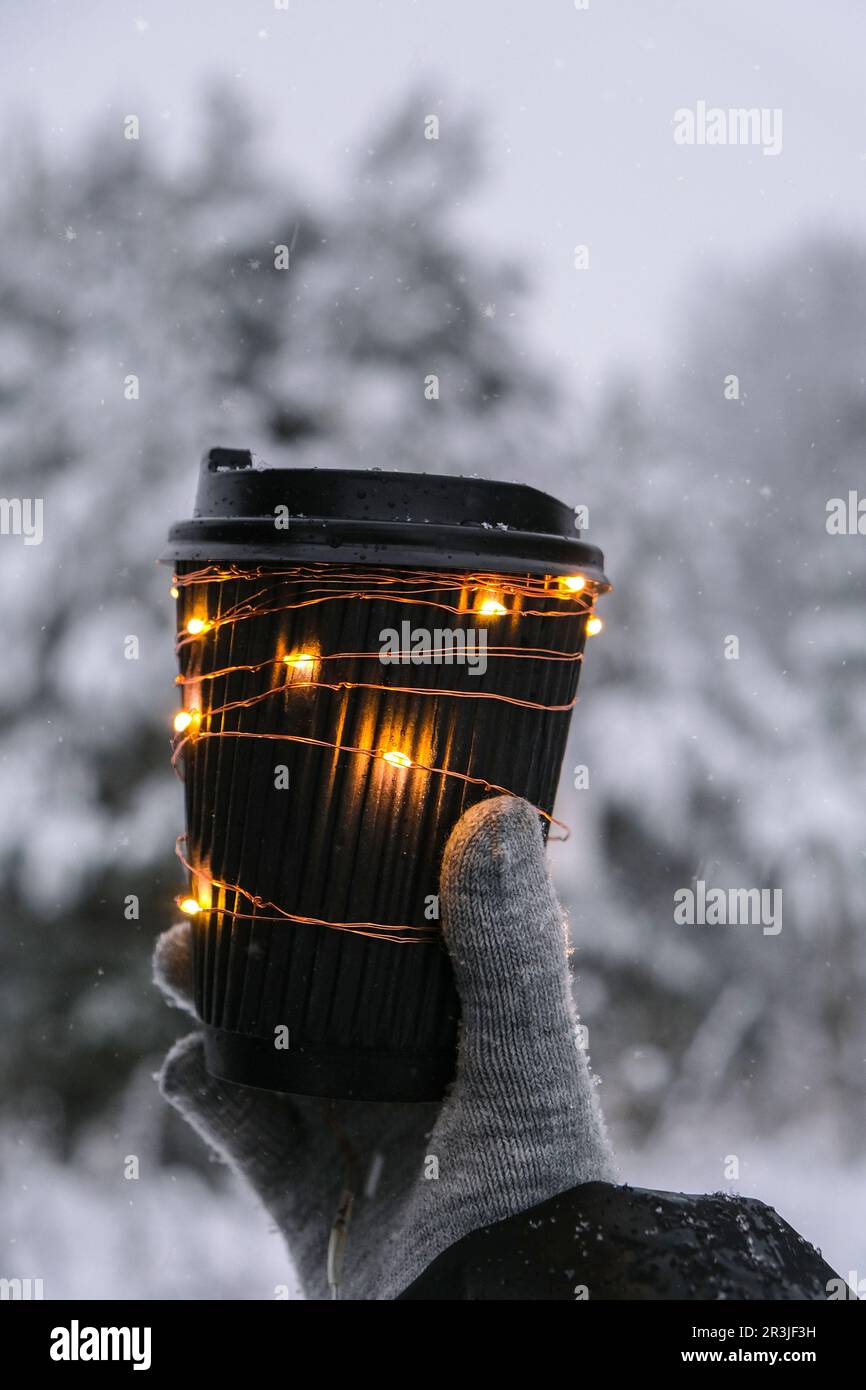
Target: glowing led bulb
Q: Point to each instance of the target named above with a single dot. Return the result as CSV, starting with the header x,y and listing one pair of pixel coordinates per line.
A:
x,y
573,583
191,906
195,626
397,759
593,626
301,662
183,719
174,591
492,608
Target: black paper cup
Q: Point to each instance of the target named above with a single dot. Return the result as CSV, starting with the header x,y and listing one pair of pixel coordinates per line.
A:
x,y
321,783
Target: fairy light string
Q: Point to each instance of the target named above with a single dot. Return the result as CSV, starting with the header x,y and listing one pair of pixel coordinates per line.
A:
x,y
482,597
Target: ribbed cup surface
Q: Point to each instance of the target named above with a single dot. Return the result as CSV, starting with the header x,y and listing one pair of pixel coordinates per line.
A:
x,y
351,838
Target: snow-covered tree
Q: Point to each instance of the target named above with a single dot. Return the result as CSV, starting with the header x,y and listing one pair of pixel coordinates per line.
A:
x,y
744,763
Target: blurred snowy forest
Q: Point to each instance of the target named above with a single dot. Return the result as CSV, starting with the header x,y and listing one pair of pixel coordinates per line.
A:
x,y
711,1041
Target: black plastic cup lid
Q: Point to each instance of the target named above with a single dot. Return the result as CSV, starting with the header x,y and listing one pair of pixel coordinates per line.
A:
x,y
371,517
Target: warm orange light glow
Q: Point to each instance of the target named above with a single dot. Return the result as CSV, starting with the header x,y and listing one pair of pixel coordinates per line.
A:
x,y
183,719
593,626
195,626
191,907
301,662
174,591
492,608
573,583
397,759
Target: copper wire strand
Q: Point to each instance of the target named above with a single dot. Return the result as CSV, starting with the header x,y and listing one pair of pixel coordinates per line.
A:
x,y
510,653
305,684
432,582
439,579
378,931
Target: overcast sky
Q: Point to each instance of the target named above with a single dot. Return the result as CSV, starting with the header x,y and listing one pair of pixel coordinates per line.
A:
x,y
579,105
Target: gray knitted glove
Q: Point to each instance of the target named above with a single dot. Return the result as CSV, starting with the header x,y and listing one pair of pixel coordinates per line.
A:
x,y
367,1194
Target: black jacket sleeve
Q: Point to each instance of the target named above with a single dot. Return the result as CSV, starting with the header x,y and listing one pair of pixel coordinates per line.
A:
x,y
599,1241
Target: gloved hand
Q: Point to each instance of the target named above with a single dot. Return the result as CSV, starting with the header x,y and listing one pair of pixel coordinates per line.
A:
x,y
520,1124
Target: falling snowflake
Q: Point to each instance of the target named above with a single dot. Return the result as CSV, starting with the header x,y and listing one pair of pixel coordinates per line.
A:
x,y
254,265
142,25
489,311
70,234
